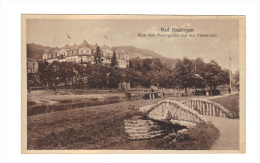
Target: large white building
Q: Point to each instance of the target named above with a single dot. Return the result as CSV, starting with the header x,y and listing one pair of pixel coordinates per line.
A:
x,y
84,53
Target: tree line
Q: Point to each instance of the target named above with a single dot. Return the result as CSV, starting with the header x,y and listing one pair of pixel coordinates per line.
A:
x,y
186,73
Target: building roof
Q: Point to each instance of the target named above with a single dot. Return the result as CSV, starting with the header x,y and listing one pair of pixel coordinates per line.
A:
x,y
84,44
121,54
105,48
75,47
93,46
46,50
56,50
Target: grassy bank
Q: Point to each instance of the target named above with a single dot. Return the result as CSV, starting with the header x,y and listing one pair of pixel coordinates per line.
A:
x,y
84,128
102,127
231,103
202,137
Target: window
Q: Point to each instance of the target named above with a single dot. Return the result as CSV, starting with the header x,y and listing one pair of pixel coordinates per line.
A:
x,y
81,51
33,65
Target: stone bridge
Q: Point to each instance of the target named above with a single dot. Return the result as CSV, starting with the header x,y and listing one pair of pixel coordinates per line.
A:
x,y
208,108
187,113
190,112
174,111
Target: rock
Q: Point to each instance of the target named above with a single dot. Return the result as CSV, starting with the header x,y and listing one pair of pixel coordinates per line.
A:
x,y
172,135
173,142
138,128
182,131
183,123
137,117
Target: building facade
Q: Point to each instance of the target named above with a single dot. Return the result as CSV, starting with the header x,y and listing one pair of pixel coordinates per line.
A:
x,y
32,66
84,53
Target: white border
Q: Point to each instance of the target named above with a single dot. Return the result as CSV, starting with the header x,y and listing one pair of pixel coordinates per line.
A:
x,y
10,63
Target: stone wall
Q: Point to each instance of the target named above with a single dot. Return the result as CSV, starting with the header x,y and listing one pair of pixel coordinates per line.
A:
x,y
138,128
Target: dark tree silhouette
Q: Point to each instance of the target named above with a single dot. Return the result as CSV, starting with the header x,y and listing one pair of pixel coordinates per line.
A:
x,y
114,62
97,56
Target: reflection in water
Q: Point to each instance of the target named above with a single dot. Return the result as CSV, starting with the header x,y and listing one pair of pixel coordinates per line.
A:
x,y
67,105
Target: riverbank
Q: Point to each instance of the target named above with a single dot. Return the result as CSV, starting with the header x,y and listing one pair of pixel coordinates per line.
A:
x,y
48,97
84,128
102,127
72,95
79,95
98,127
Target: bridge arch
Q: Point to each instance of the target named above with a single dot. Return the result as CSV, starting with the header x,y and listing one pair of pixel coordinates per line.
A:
x,y
208,108
174,110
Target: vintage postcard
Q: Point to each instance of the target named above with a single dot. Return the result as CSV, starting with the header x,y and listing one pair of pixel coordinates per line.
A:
x,y
133,84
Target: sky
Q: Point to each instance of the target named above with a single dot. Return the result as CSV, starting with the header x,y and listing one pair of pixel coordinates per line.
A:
x,y
123,32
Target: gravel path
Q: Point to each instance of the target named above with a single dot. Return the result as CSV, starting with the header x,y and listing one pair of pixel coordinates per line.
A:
x,y
229,133
228,128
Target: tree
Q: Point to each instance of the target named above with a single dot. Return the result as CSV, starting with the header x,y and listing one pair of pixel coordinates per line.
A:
x,y
199,73
236,80
97,56
133,76
66,71
114,62
98,77
114,77
184,73
167,78
214,75
43,73
154,78
130,64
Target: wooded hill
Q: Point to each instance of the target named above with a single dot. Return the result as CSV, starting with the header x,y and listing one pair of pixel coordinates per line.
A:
x,y
35,51
144,53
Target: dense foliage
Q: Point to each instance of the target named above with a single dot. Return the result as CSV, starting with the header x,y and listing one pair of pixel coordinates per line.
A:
x,y
186,73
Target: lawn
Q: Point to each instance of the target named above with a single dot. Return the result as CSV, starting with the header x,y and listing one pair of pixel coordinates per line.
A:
x,y
83,128
231,103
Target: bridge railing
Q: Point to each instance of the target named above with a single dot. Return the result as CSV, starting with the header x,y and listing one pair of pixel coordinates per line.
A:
x,y
208,108
169,109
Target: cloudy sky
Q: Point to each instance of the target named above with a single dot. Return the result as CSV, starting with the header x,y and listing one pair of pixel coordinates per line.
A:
x,y
123,32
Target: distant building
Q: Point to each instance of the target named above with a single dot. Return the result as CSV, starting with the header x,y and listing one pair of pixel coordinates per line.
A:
x,y
32,66
84,53
122,58
124,86
32,71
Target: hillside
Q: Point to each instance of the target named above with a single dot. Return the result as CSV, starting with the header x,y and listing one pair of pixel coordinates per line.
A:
x,y
35,51
143,53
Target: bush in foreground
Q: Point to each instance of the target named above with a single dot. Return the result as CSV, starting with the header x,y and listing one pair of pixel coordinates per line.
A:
x,y
201,137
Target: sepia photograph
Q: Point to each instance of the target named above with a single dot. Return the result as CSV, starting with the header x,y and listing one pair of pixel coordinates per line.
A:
x,y
133,84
